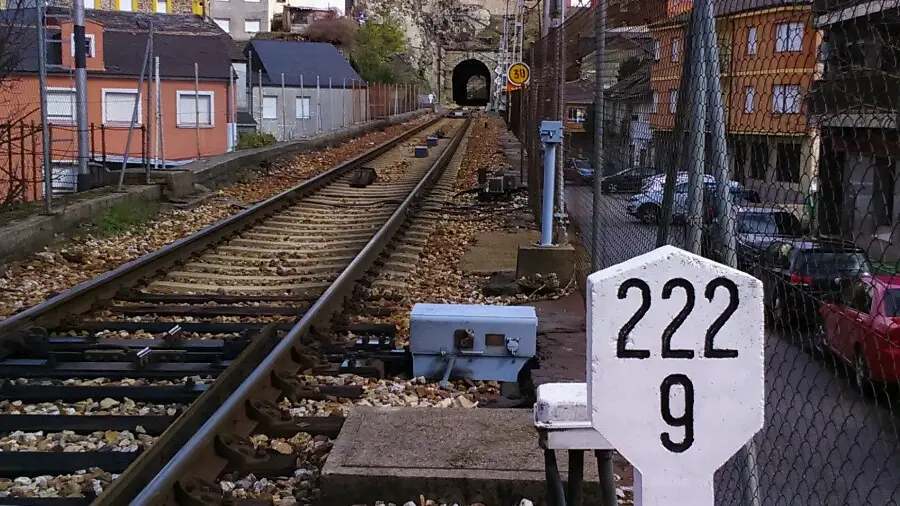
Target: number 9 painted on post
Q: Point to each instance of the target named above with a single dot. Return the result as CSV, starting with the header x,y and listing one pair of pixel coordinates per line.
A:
x,y
676,369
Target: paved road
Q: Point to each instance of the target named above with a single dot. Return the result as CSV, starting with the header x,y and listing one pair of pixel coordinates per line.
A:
x,y
823,442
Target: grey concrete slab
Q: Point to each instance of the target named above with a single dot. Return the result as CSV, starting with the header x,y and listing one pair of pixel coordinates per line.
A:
x,y
449,455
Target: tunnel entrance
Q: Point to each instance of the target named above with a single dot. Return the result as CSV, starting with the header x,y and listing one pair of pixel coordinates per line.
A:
x,y
471,83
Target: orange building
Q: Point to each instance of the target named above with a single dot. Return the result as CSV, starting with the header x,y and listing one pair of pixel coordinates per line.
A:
x,y
195,113
768,53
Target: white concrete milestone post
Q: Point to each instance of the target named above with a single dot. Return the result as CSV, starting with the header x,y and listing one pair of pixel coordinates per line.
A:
x,y
675,369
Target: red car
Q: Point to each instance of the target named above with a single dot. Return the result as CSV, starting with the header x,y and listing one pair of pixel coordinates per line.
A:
x,y
862,327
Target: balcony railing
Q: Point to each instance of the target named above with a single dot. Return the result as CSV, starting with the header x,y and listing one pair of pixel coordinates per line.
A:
x,y
855,92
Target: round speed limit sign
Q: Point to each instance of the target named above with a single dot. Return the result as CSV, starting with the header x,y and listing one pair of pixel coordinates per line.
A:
x,y
518,74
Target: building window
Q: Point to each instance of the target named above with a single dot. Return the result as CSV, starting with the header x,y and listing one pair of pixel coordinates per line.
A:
x,y
251,26
125,5
656,50
88,45
787,164
748,98
788,37
676,49
575,114
673,100
89,4
224,24
270,107
759,160
190,103
302,107
60,104
655,106
786,99
118,106
162,6
751,40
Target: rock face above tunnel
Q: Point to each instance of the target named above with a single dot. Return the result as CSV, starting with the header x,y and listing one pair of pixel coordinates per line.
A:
x,y
468,29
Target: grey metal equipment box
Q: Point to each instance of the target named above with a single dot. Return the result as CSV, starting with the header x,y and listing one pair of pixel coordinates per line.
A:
x,y
479,342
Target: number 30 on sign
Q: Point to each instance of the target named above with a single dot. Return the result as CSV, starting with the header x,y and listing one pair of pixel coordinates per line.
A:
x,y
676,364
518,74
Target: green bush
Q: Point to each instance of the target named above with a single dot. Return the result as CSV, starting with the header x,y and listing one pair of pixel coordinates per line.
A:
x,y
255,140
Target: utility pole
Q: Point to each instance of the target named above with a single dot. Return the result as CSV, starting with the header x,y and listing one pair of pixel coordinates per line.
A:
x,y
150,117
696,145
47,150
597,239
502,64
604,457
558,99
81,119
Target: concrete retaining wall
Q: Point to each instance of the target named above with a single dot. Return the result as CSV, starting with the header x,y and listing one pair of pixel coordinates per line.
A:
x,y
181,183
23,237
31,234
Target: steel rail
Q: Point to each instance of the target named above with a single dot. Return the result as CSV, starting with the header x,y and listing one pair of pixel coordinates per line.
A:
x,y
161,489
83,296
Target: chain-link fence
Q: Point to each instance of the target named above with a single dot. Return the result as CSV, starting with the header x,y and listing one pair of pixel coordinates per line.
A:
x,y
763,135
289,107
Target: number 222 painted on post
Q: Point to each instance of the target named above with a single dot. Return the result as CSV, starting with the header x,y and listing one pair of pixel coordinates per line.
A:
x,y
675,381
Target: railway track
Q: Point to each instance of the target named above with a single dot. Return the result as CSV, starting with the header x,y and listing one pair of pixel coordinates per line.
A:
x,y
151,378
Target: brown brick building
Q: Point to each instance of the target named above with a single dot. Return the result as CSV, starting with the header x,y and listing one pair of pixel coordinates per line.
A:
x,y
768,54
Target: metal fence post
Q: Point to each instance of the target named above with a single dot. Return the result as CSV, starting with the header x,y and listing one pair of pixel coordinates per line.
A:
x,y
318,106
304,102
46,148
197,106
261,109
283,110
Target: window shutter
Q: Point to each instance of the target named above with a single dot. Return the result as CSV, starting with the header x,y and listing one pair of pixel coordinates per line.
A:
x,y
302,107
60,104
270,107
120,107
186,110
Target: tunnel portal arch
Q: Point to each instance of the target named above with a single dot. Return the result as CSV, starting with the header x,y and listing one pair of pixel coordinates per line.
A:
x,y
471,83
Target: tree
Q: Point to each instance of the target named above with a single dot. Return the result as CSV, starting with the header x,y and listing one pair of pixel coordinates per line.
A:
x,y
378,43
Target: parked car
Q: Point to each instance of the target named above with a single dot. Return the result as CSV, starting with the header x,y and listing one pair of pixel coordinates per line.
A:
x,y
647,206
657,182
798,274
626,181
581,171
861,326
755,228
